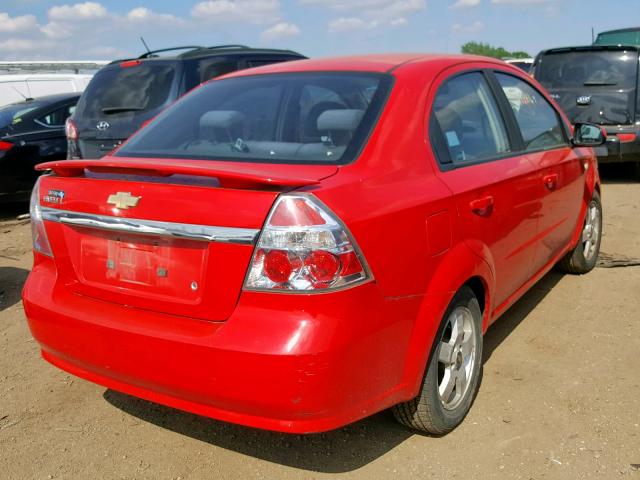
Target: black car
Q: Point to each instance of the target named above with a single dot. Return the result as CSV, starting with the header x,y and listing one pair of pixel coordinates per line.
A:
x,y
127,93
598,84
31,132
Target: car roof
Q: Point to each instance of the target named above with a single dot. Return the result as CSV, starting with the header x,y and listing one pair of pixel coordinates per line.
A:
x,y
49,99
589,48
382,63
192,52
622,30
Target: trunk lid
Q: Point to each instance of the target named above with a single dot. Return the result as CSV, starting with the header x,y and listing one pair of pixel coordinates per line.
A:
x,y
592,105
172,236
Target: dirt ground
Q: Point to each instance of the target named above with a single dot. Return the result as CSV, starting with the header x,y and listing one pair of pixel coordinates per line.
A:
x,y
560,396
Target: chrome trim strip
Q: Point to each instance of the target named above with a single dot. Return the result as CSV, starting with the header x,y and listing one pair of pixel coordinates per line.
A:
x,y
204,233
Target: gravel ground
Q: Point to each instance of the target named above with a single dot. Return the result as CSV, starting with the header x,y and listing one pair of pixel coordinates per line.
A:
x,y
560,396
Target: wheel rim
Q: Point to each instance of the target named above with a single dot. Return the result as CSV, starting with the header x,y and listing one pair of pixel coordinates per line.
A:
x,y
591,231
456,357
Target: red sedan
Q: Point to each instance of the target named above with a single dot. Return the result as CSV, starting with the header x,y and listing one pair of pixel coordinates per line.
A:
x,y
299,246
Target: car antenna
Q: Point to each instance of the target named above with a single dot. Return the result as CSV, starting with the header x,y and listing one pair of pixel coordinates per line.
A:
x,y
145,45
26,99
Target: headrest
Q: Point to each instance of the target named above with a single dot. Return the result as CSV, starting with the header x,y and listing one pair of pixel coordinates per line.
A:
x,y
221,119
345,120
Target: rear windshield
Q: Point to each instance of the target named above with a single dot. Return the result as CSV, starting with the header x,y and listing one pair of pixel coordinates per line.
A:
x,y
295,118
125,90
630,37
526,66
617,69
12,114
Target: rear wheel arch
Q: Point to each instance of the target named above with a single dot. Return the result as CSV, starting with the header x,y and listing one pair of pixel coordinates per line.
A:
x,y
480,289
460,268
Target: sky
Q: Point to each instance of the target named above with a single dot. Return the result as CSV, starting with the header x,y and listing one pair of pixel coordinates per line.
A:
x,y
54,30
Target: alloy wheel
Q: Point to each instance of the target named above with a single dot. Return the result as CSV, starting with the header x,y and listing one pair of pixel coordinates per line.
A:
x,y
591,231
456,357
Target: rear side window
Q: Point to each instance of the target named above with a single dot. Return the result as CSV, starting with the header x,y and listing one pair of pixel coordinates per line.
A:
x,y
57,117
127,90
261,63
280,118
12,114
538,121
469,120
212,68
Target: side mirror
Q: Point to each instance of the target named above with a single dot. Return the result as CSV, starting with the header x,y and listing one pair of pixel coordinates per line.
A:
x,y
588,135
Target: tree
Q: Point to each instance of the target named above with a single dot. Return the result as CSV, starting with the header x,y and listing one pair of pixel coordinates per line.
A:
x,y
478,48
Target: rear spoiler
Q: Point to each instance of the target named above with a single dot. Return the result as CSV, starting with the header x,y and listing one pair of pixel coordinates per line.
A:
x,y
229,174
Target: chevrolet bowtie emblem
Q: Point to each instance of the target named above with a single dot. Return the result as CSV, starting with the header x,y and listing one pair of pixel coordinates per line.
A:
x,y
123,200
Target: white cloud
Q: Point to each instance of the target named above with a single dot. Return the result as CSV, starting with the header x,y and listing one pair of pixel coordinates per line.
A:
x,y
397,22
280,30
143,14
352,24
20,45
368,14
465,4
242,11
16,24
89,28
475,27
79,11
346,24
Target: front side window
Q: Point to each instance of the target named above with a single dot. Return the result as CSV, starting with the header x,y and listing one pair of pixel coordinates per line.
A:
x,y
469,120
538,121
294,117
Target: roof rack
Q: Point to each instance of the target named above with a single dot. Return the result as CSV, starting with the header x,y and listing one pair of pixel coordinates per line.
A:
x,y
197,51
227,46
152,53
192,48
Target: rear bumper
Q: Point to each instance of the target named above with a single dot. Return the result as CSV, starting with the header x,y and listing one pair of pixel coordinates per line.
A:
x,y
293,363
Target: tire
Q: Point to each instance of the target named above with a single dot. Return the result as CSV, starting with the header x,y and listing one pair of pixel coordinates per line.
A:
x,y
430,412
583,258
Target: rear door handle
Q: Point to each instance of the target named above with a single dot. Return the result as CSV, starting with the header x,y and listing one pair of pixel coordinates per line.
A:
x,y
550,181
482,206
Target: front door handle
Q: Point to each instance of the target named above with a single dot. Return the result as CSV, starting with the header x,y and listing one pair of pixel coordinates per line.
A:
x,y
482,206
550,181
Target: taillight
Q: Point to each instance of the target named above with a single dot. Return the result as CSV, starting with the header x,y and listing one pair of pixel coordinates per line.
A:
x,y
303,247
130,63
38,232
5,146
627,137
71,130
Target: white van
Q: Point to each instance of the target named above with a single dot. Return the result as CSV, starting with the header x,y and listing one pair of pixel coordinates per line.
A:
x,y
17,87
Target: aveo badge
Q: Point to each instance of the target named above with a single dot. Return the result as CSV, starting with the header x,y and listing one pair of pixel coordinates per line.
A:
x,y
54,196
